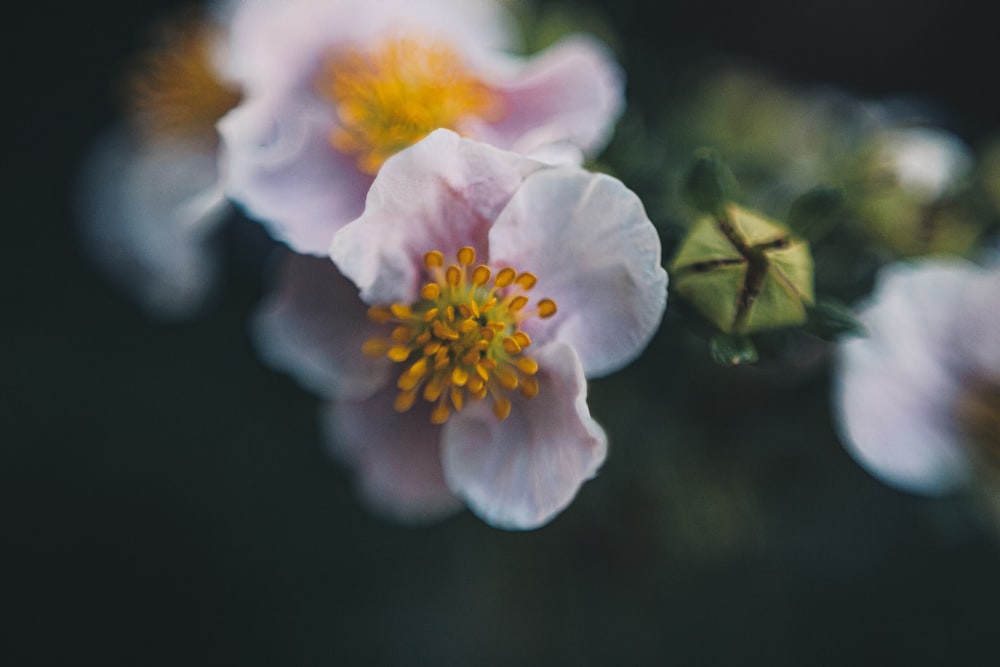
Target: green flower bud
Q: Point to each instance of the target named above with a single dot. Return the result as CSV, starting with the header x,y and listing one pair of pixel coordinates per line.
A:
x,y
744,272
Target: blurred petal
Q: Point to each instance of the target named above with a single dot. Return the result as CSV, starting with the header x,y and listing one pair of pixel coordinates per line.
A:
x,y
396,457
587,238
571,92
895,388
147,213
312,326
442,193
283,172
520,472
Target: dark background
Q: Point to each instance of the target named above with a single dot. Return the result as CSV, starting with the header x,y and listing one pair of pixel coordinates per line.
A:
x,y
166,500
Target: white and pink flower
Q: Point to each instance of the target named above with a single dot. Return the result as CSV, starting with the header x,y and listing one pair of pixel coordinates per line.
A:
x,y
449,380
918,398
334,87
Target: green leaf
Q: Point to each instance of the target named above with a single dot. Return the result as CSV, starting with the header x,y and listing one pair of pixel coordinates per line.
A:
x,y
831,319
732,350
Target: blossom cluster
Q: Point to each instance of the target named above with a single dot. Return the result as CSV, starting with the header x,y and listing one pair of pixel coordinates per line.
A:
x,y
449,275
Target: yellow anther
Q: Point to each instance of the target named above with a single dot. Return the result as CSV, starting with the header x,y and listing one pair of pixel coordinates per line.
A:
x,y
529,387
502,408
398,353
430,291
470,358
481,275
401,311
433,389
459,376
453,275
505,277
433,260
430,314
546,308
440,413
432,347
379,314
404,401
507,377
466,255
443,331
488,306
423,338
375,347
473,309
456,398
418,369
511,346
475,385
526,280
522,338
402,334
467,326
518,302
527,365
449,313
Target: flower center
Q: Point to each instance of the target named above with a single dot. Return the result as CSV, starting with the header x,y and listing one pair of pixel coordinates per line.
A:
x,y
173,90
462,338
392,96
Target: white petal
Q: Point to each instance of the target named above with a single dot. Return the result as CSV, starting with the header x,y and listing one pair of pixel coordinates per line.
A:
x,y
895,388
519,473
587,238
572,92
312,326
396,457
442,193
147,211
283,172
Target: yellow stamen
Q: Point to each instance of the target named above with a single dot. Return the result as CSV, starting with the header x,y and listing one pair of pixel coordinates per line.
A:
x,y
462,337
398,92
173,91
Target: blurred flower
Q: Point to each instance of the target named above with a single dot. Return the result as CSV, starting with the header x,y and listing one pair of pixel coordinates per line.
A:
x,y
460,383
149,194
918,398
334,87
910,191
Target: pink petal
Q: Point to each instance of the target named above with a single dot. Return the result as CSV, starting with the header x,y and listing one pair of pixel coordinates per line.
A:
x,y
571,92
587,238
519,473
312,326
442,193
395,456
284,173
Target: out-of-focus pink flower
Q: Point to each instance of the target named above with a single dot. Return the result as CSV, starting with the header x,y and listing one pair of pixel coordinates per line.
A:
x,y
150,195
334,87
918,398
491,286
